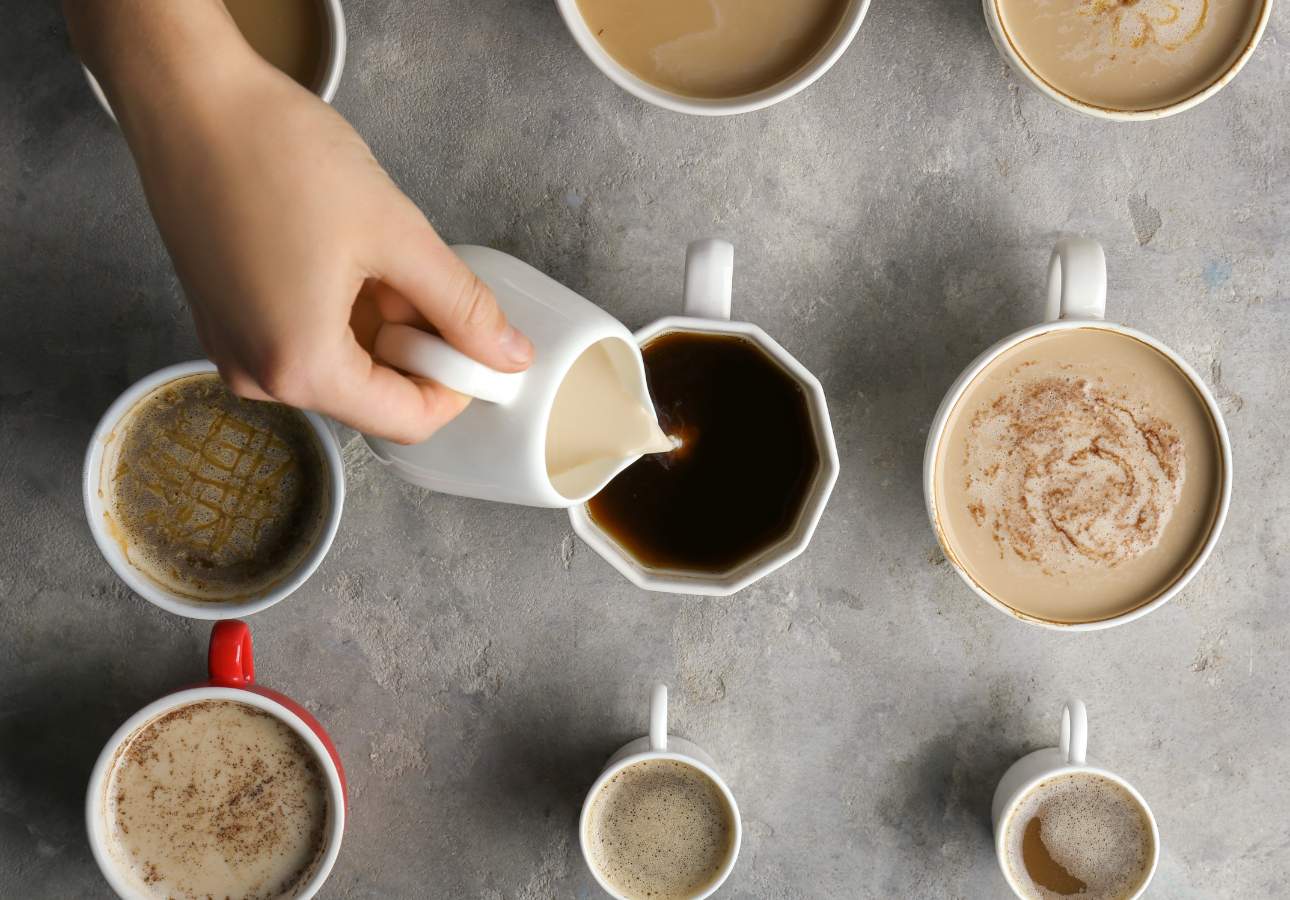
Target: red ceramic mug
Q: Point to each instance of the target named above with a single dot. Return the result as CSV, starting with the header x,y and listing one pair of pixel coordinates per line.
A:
x,y
231,666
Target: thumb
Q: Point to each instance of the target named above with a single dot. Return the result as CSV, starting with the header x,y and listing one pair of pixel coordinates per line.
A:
x,y
453,299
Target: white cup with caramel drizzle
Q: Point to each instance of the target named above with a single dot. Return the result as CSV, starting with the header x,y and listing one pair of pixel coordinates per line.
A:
x,y
101,466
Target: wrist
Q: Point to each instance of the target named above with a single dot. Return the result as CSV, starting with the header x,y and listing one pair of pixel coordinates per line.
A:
x,y
153,54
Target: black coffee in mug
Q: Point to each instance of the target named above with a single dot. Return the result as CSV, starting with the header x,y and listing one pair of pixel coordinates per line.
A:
x,y
745,465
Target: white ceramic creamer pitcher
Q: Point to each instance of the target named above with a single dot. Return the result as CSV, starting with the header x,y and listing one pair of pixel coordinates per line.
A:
x,y
496,449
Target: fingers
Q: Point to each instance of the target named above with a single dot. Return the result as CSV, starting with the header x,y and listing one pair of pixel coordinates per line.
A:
x,y
441,288
375,399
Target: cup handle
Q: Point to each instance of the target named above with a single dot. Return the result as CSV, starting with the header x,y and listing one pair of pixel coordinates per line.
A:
x,y
1076,280
709,277
658,719
230,661
428,356
1074,735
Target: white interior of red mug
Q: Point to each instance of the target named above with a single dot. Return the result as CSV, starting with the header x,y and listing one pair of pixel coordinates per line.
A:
x,y
118,872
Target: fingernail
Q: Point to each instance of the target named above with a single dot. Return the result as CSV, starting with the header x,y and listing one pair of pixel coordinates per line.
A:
x,y
517,347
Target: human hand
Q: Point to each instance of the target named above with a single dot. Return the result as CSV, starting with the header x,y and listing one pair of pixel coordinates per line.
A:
x,y
292,243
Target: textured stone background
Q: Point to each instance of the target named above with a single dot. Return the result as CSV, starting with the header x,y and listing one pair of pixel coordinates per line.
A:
x,y
476,664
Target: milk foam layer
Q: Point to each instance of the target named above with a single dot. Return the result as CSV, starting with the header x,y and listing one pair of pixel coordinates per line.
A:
x,y
1079,475
1069,474
660,830
1094,840
1130,54
220,799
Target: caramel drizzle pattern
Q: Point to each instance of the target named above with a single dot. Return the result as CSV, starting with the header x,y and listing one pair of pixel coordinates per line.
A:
x,y
1122,11
211,506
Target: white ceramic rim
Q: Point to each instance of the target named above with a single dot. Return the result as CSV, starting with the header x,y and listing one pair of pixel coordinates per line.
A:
x,y
1000,842
1010,53
956,391
141,583
794,543
645,756
96,812
812,69
337,45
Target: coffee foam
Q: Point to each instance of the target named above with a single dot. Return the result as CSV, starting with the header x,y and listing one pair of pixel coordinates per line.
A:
x,y
1094,833
1130,54
213,497
660,830
1143,27
1068,474
217,798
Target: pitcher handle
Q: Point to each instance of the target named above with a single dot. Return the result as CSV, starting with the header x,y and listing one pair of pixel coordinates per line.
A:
x,y
429,356
1076,279
709,278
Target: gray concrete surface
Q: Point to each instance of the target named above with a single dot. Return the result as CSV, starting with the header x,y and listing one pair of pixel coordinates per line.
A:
x,y
476,664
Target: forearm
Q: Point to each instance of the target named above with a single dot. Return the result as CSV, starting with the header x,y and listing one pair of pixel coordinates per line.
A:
x,y
157,58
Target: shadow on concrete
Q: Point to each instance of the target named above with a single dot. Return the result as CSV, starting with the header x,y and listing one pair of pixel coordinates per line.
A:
x,y
56,721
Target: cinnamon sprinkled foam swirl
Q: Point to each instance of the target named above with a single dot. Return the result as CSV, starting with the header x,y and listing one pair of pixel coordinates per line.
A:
x,y
1066,473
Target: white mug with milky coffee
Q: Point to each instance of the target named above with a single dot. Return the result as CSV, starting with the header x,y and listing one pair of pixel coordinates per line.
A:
x,y
659,746
1096,72
797,79
1019,795
1133,503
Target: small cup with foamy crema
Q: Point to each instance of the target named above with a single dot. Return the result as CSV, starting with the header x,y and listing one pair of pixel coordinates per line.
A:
x,y
1078,472
660,823
228,789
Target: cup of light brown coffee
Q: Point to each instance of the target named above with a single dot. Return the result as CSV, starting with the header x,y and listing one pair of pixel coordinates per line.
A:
x,y
1121,60
305,39
1064,827
1078,472
208,505
714,58
660,823
227,789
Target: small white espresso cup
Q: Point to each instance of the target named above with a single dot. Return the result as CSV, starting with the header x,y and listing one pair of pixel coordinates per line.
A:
x,y
660,745
100,462
816,66
1076,299
994,24
709,277
1067,758
328,78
